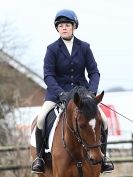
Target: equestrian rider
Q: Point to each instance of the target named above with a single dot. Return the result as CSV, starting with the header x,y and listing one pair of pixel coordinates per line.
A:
x,y
64,68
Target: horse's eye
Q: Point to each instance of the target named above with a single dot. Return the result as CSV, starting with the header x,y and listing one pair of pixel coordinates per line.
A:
x,y
80,111
83,126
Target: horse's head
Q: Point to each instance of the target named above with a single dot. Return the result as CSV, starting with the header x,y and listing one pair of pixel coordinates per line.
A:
x,y
86,121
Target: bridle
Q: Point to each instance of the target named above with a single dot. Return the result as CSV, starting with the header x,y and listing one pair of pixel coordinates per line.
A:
x,y
77,135
80,140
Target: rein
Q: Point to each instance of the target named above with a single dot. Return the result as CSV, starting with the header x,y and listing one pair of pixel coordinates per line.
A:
x,y
116,112
78,163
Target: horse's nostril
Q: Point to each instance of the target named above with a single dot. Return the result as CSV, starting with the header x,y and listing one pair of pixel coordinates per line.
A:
x,y
92,160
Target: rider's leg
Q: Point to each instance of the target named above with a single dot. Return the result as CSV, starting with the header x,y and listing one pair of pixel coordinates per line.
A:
x,y
107,166
38,165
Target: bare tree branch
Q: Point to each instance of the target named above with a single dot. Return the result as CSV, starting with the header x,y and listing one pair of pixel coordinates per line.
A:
x,y
10,41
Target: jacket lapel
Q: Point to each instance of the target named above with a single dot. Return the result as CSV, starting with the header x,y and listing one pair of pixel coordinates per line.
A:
x,y
75,49
63,48
76,45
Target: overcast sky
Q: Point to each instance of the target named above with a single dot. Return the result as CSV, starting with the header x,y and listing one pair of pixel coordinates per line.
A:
x,y
106,24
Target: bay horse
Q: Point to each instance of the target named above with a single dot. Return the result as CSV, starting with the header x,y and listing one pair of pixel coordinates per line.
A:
x,y
76,150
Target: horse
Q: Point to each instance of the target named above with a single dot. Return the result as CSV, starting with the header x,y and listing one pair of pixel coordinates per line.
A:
x,y
76,147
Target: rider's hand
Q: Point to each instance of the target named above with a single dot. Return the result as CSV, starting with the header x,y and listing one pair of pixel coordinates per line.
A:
x,y
63,96
92,94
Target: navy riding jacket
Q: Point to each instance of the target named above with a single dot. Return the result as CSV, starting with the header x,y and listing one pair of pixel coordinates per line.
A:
x,y
63,71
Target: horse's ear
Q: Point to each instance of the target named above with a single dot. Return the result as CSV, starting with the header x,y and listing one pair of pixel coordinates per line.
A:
x,y
76,99
99,97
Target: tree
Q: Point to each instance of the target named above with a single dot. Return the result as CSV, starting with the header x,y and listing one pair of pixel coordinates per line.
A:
x,y
10,41
14,45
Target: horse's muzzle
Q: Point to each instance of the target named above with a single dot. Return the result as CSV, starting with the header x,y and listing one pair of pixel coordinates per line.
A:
x,y
93,161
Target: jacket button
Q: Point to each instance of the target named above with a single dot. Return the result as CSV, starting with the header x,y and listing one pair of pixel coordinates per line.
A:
x,y
72,84
72,70
71,77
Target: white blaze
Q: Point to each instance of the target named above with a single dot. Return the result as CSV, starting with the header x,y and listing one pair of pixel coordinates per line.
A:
x,y
92,123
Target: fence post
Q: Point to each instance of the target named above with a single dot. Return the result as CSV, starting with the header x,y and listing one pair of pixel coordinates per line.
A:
x,y
132,144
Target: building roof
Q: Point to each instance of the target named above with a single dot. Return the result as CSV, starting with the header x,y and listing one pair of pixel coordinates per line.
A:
x,y
22,68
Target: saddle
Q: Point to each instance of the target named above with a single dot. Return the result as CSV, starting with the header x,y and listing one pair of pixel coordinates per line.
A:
x,y
49,121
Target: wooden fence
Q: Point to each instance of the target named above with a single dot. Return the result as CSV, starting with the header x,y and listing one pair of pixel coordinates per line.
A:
x,y
122,159
9,149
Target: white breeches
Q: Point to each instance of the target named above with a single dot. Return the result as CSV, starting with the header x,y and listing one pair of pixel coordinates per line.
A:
x,y
104,118
46,107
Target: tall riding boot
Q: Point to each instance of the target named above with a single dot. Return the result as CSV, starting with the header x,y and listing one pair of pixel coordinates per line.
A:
x,y
107,166
38,165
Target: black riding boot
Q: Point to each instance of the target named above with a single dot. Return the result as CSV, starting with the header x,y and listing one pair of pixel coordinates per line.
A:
x,y
107,166
38,165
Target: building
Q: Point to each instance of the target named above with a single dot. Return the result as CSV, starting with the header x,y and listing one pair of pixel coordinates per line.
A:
x,y
25,85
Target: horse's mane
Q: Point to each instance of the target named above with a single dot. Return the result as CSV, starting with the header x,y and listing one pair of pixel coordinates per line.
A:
x,y
87,104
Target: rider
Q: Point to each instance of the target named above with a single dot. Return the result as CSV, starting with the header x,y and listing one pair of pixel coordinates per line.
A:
x,y
64,68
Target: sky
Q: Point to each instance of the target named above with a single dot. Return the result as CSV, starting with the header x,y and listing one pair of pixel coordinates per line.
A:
x,y
107,25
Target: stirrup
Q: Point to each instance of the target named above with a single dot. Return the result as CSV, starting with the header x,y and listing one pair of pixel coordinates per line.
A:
x,y
108,164
38,167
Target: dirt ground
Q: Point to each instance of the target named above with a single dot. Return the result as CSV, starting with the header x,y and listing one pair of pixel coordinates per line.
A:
x,y
121,170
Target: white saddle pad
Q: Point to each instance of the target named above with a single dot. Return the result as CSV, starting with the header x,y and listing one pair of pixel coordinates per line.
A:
x,y
51,135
